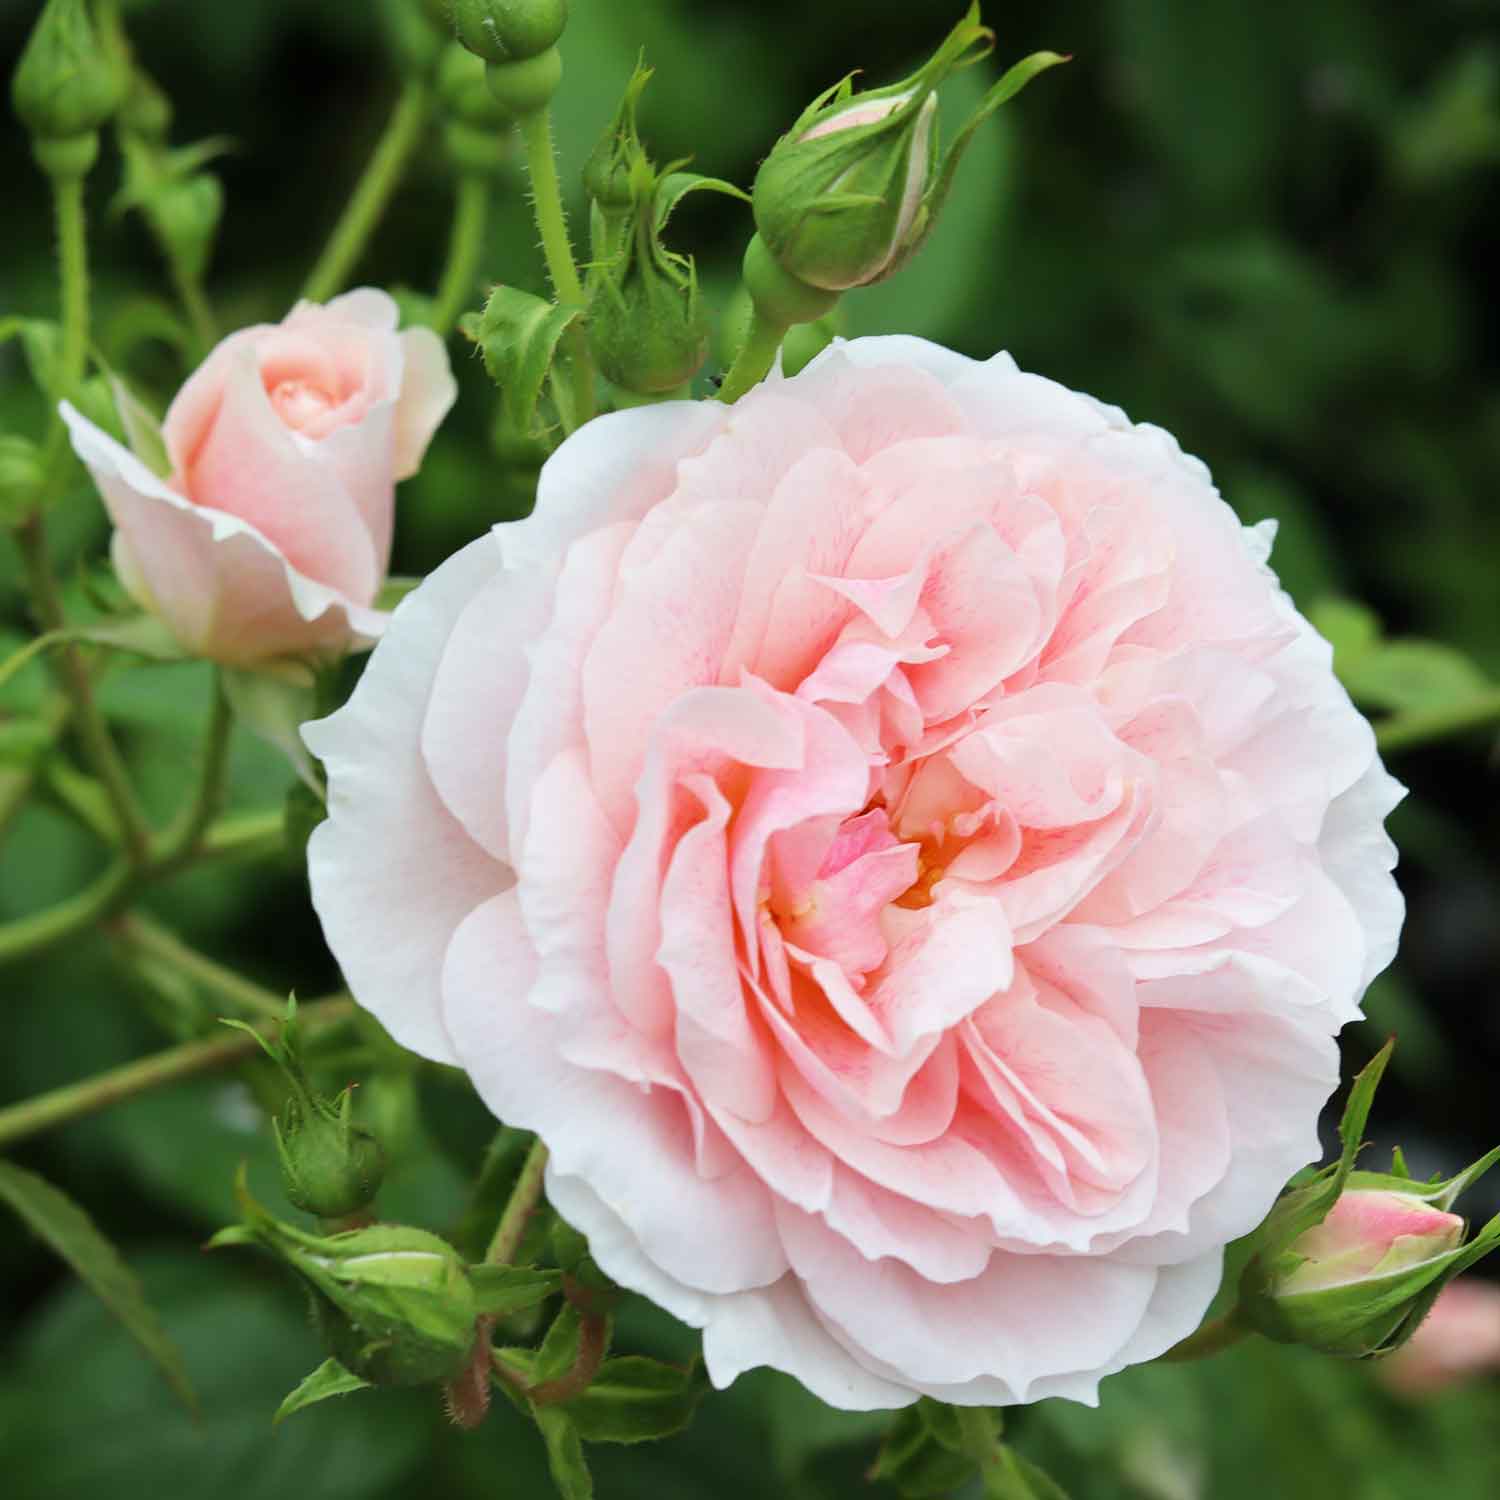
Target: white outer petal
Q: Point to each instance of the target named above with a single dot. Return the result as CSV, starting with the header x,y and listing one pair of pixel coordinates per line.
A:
x,y
393,872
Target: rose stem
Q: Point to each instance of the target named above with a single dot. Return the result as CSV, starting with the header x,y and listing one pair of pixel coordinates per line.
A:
x,y
76,1100
371,195
552,226
465,246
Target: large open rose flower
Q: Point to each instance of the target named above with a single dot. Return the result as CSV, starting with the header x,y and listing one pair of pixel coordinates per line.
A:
x,y
896,844
271,535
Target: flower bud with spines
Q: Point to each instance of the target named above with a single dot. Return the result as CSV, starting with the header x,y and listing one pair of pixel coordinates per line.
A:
x,y
848,195
646,323
503,31
329,1166
65,87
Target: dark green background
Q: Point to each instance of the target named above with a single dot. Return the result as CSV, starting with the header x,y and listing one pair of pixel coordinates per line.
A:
x,y
1270,228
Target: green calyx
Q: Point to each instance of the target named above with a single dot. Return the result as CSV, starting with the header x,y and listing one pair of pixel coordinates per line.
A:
x,y
67,84
849,194
647,326
329,1166
502,31
1329,1305
526,86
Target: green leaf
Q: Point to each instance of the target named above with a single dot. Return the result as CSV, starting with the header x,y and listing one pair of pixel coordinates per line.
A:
x,y
916,1462
142,430
1409,676
636,1400
560,1347
1350,628
275,707
501,1290
329,1379
519,334
570,1470
675,186
63,1225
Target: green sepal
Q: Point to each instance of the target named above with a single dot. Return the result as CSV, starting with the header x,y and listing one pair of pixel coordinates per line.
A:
x,y
274,703
637,1400
329,1379
519,334
502,1290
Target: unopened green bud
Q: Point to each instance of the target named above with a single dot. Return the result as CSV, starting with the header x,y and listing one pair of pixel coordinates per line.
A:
x,y
21,476
329,1166
463,91
509,30
186,212
395,1304
524,87
848,195
146,111
67,84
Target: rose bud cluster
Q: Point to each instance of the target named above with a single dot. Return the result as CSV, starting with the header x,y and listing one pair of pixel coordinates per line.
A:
x,y
265,532
894,842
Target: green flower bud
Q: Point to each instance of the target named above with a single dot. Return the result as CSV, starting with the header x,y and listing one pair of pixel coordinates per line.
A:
x,y
850,192
329,1166
524,87
66,85
186,213
509,30
646,324
21,475
394,1304
463,91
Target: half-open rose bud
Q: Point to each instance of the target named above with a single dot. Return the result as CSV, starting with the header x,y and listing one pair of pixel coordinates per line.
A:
x,y
852,190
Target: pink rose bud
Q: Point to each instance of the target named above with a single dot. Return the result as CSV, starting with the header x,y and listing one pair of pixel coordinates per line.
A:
x,y
847,196
269,534
1371,1233
1459,1340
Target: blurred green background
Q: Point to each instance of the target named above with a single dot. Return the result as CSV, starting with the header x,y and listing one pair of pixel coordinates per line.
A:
x,y
1271,229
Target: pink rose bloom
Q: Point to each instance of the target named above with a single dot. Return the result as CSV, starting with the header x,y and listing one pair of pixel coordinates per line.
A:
x,y
896,845
272,534
1459,1340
